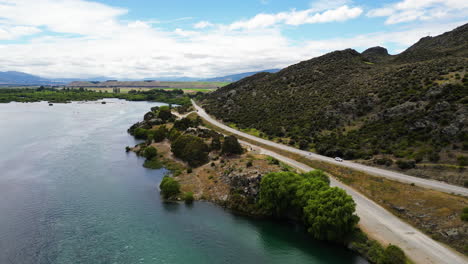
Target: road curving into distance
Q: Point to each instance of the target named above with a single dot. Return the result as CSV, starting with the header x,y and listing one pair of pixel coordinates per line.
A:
x,y
374,219
429,184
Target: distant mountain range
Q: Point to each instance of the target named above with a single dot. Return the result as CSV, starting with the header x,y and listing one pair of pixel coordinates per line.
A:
x,y
11,78
237,77
21,78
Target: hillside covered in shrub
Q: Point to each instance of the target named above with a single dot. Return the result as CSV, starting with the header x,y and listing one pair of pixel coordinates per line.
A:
x,y
410,107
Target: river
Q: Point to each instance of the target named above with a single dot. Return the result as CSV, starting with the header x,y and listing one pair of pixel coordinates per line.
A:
x,y
70,194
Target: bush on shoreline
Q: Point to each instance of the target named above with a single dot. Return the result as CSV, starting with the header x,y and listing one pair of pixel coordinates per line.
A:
x,y
169,187
150,152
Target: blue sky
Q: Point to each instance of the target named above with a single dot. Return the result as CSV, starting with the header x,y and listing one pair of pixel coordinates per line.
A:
x,y
205,38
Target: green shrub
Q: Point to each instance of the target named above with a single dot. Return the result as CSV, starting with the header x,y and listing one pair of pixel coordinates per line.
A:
x,y
150,152
464,215
215,144
173,134
383,161
406,164
393,255
140,133
272,161
169,187
165,113
153,163
231,146
462,161
188,197
160,134
191,149
434,156
183,124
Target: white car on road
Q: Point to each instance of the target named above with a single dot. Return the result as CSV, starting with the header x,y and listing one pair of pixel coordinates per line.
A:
x,y
339,159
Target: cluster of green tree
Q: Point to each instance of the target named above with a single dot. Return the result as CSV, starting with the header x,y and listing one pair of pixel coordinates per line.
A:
x,y
67,95
47,94
191,149
188,145
341,105
175,96
327,212
185,123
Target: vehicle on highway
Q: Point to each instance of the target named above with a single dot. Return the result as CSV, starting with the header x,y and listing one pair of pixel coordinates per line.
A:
x,y
339,159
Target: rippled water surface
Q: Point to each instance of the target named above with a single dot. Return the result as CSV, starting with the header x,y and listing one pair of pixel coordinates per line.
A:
x,y
70,194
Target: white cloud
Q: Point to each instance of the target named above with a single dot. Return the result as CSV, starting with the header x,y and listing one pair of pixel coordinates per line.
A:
x,y
202,25
295,18
8,32
401,39
320,5
109,46
67,16
423,10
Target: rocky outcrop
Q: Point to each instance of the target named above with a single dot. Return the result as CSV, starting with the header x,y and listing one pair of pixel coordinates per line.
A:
x,y
375,54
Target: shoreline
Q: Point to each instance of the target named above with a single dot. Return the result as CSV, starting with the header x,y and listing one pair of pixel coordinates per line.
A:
x,y
207,183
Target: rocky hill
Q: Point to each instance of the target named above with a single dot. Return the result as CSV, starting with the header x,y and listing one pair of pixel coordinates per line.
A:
x,y
410,107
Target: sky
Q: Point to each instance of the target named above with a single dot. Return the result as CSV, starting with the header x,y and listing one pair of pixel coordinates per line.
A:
x,y
205,38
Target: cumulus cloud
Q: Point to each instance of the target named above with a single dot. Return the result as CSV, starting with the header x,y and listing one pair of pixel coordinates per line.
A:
x,y
320,5
422,10
68,16
295,18
400,39
90,39
8,32
202,25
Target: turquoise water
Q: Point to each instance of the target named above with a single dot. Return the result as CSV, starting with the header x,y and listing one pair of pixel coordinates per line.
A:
x,y
70,194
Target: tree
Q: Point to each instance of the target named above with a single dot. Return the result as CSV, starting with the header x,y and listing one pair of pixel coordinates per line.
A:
x,y
317,174
160,134
183,124
277,190
231,146
165,113
303,144
191,149
150,152
330,215
140,133
169,187
406,164
215,144
393,255
173,134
